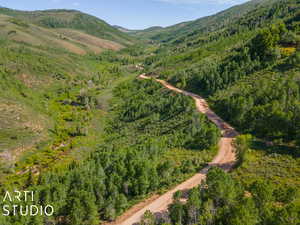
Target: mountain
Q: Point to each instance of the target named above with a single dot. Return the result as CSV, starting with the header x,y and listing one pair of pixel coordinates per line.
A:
x,y
93,139
51,69
219,58
246,62
71,19
146,33
125,30
190,30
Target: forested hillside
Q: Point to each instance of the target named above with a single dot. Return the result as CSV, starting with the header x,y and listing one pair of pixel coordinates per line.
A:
x,y
221,23
54,93
250,76
245,61
138,156
82,130
221,200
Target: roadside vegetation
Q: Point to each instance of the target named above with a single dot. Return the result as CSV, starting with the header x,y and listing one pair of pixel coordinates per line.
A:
x,y
92,139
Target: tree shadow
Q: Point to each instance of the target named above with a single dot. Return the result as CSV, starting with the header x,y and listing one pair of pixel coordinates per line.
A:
x,y
271,148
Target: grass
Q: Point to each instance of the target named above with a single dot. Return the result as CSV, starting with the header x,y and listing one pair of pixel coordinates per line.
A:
x,y
73,19
196,157
94,44
279,165
17,129
73,41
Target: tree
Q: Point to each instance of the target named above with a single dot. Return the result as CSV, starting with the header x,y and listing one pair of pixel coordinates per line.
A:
x,y
242,144
264,44
121,203
287,215
109,211
75,212
30,180
176,212
221,187
193,206
207,214
148,218
262,193
243,213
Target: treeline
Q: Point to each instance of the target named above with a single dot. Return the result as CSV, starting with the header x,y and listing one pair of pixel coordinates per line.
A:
x,y
129,164
222,200
267,105
237,19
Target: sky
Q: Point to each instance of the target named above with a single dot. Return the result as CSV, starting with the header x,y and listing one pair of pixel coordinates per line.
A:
x,y
132,14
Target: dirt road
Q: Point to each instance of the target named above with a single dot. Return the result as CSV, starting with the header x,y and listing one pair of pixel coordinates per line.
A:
x,y
224,159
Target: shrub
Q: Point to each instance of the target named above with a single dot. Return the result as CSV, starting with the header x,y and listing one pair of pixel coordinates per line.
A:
x,y
242,144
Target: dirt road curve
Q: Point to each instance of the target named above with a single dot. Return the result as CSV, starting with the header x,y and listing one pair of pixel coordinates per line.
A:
x,y
225,159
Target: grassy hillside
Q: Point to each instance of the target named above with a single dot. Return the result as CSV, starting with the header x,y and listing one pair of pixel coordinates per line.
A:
x,y
80,42
52,86
48,76
73,20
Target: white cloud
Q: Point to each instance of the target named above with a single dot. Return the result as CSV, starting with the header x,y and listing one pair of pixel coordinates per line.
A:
x,y
203,1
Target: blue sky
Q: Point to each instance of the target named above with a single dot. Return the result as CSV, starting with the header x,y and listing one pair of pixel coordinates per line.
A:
x,y
133,14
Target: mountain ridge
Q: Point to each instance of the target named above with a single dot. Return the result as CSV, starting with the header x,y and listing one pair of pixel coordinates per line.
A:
x,y
74,19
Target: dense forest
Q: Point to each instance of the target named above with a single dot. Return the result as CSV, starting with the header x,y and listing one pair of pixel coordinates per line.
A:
x,y
130,163
92,139
221,200
254,82
248,69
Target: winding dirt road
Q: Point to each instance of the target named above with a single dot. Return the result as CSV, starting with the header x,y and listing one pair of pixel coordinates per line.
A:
x,y
224,159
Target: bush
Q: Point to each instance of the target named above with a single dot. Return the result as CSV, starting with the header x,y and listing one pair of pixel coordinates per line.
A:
x,y
242,144
294,59
18,22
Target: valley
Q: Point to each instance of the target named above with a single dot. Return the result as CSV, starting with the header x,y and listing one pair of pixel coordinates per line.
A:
x,y
117,126
225,159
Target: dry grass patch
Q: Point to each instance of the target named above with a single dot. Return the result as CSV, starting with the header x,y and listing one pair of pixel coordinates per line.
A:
x,y
93,43
19,126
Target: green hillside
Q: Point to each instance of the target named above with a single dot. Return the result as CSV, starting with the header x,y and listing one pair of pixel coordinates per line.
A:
x,y
71,19
63,110
78,127
245,61
224,22
243,69
51,82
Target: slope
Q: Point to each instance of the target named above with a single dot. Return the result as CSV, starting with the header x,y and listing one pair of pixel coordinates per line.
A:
x,y
219,66
224,159
248,68
51,82
189,32
71,19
